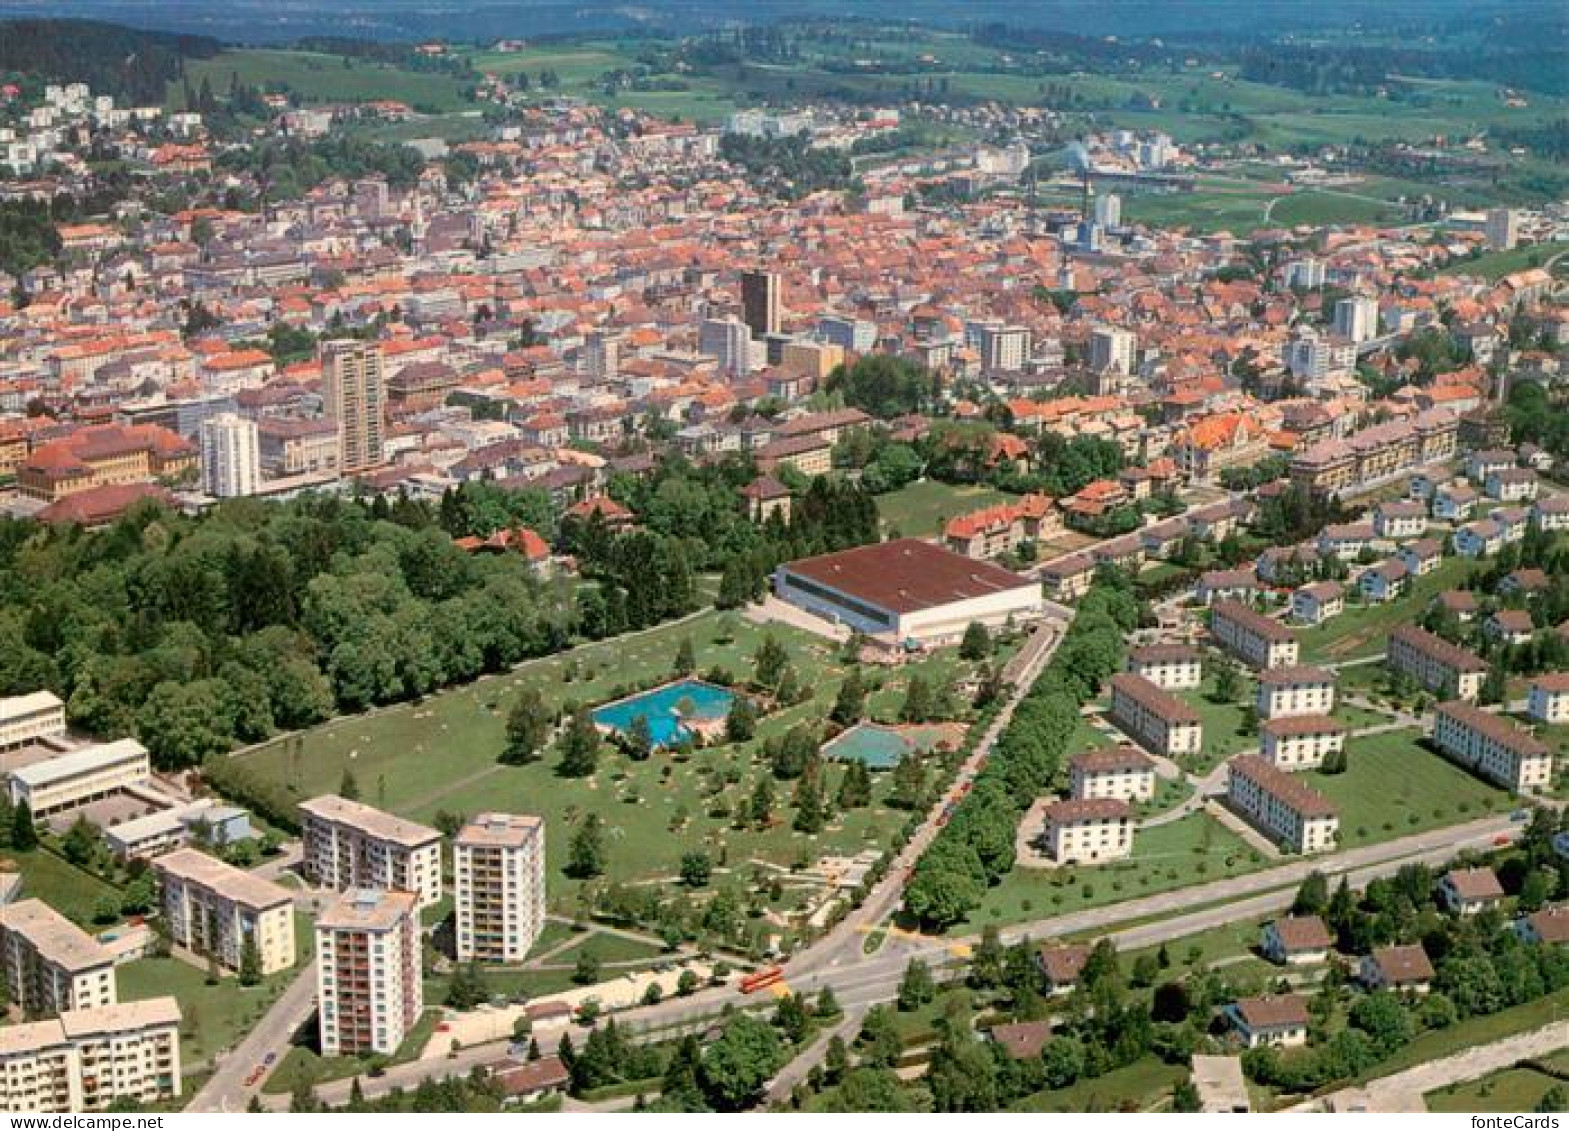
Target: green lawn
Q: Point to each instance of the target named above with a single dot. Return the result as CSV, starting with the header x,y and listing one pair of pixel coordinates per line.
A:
x,y
214,1018
1225,724
1511,1090
1361,630
316,77
440,754
1144,1085
1394,787
62,885
1193,850
302,1064
1497,264
922,509
608,949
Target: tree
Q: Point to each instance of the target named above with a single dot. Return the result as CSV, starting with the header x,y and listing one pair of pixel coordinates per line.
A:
x,y
250,962
467,989
348,787
770,661
760,807
1312,896
919,703
739,1062
1228,681
579,745
686,657
741,722
24,833
586,853
809,815
986,960
528,726
850,703
1185,1097
977,642
696,868
686,984
916,987
639,740
586,970
855,790
81,842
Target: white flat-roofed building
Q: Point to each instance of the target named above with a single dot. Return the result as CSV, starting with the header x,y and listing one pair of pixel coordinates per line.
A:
x,y
1123,773
908,590
351,845
1156,719
176,827
52,965
1435,663
212,908
499,870
1170,667
86,1059
1296,690
1301,742
1089,830
77,777
1492,747
369,987
30,718
1284,809
1252,637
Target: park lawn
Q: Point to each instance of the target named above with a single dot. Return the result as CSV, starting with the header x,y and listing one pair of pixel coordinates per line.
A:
x,y
1200,951
1144,1085
62,885
437,755
213,1018
1511,1089
1226,729
1496,264
1361,630
317,77
923,508
303,1065
1193,850
609,949
1394,786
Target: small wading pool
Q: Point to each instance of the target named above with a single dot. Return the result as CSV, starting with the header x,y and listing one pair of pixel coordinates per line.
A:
x,y
709,703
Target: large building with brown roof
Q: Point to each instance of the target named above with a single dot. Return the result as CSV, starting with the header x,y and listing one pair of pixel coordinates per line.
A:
x,y
1376,453
908,590
1435,663
1155,719
1492,747
1259,641
1125,773
1283,808
1089,830
101,455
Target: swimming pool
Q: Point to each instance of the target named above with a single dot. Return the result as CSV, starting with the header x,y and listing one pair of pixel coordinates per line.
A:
x,y
709,702
877,747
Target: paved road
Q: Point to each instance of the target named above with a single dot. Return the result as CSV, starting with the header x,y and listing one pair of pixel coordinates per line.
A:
x,y
800,1067
226,1090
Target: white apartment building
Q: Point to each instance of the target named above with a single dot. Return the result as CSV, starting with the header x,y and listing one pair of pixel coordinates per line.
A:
x,y
1492,747
1300,742
1252,637
348,844
1316,603
1089,830
1435,663
30,718
85,1059
70,780
212,908
1356,318
1122,773
1170,667
369,987
1296,690
1284,809
1112,350
51,965
1156,719
499,869
231,459
1548,701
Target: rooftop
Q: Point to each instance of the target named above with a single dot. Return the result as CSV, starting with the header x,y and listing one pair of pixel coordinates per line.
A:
x,y
369,820
907,575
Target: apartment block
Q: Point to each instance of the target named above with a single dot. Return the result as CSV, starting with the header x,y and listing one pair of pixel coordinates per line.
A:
x,y
86,1059
1492,747
1295,690
499,865
30,718
1089,830
1252,637
1548,701
1123,773
51,965
212,908
68,781
1156,719
1281,807
1301,742
368,980
1435,663
1170,667
351,845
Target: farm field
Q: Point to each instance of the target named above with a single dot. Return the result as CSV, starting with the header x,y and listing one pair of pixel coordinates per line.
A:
x,y
1394,786
923,508
422,759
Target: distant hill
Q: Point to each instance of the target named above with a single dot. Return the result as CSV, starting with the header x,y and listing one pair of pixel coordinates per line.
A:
x,y
134,65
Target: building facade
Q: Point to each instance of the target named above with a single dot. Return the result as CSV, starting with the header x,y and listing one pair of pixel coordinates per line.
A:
x,y
30,718
214,909
369,987
1252,637
51,965
348,844
499,869
354,396
1435,663
1492,747
1281,807
1155,719
86,1059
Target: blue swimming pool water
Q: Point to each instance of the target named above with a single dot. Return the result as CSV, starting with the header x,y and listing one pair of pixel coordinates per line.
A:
x,y
878,747
659,708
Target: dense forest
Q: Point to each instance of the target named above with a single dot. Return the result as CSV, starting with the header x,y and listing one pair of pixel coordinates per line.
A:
x,y
134,66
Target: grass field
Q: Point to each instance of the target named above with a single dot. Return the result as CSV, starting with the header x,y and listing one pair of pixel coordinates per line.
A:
x,y
214,1017
326,78
420,759
1395,787
1497,264
1191,851
1513,1089
302,1064
922,509
1144,1085
62,885
1361,630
